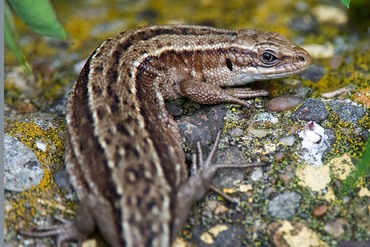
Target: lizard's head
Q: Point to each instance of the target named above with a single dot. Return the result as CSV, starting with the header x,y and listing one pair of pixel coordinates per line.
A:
x,y
257,55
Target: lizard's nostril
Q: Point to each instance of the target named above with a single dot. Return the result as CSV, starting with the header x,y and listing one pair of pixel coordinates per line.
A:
x,y
301,58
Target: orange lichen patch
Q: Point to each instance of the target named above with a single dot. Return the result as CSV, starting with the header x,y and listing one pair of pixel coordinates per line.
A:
x,y
363,97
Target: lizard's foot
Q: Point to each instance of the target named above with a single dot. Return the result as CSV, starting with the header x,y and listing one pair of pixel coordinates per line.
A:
x,y
65,232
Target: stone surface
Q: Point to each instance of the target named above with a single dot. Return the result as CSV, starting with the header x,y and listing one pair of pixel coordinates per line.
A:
x,y
284,205
22,170
313,73
347,111
311,110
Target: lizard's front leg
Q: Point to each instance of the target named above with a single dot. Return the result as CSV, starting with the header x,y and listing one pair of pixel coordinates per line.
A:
x,y
205,93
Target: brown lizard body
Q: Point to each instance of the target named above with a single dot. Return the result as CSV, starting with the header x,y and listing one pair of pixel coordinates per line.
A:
x,y
123,149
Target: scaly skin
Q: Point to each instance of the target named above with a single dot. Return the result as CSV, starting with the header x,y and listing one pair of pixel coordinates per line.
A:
x,y
123,150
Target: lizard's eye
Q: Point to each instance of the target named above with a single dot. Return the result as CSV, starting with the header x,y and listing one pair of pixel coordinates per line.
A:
x,y
268,57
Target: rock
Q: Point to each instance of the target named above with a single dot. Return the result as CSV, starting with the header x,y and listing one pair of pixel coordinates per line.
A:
x,y
229,177
288,140
202,126
347,110
313,73
283,103
284,205
319,51
22,170
266,117
311,110
225,235
257,174
316,178
330,14
319,211
236,132
303,23
337,228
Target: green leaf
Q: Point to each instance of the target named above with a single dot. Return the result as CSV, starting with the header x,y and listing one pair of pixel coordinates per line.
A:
x,y
39,16
11,40
361,171
346,3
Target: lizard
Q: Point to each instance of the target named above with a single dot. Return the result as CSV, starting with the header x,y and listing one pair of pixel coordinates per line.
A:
x,y
123,150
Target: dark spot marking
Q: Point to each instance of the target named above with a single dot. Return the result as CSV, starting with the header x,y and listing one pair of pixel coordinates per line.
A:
x,y
143,35
124,46
146,189
114,108
129,201
100,148
96,90
150,205
108,140
112,74
128,72
99,69
82,146
101,113
121,128
184,31
116,56
110,90
116,98
129,119
131,219
131,150
117,157
90,118
229,64
98,55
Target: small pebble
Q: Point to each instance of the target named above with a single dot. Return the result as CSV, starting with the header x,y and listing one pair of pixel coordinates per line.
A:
x,y
279,156
236,132
283,103
337,227
320,210
284,205
41,146
257,174
260,133
288,141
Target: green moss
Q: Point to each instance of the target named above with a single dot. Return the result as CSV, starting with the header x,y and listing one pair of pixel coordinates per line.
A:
x,y
353,70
